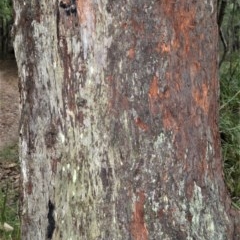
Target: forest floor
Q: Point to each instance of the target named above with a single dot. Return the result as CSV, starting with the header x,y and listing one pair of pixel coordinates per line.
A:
x,y
9,165
9,103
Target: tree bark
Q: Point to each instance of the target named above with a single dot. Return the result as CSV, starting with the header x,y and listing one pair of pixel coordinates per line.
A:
x,y
119,126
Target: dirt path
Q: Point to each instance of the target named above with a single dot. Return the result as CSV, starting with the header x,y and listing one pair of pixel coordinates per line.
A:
x,y
9,165
9,103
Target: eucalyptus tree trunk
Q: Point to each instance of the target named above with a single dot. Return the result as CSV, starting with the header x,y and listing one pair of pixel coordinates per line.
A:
x,y
118,132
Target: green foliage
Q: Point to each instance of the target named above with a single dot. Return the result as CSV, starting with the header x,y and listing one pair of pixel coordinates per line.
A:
x,y
6,9
8,214
230,123
9,153
229,25
9,202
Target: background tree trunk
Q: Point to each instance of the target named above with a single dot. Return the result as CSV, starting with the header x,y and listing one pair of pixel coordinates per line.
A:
x,y
118,132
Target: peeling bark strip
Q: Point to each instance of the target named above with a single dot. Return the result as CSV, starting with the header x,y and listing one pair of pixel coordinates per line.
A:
x,y
119,121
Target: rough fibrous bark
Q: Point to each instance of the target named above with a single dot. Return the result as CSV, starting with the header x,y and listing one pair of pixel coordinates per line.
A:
x,y
119,135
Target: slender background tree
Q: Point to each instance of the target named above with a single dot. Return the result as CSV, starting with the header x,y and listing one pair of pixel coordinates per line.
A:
x,y
5,27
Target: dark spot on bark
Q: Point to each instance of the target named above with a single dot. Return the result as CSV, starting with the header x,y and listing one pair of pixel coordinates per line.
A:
x,y
29,187
30,86
80,117
49,85
54,164
106,174
51,136
51,220
138,169
81,102
189,217
104,177
69,8
109,7
31,142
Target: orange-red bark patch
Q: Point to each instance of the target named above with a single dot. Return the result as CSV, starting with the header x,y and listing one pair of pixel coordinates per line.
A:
x,y
85,11
169,122
143,126
117,102
138,27
163,48
183,22
131,53
153,89
175,44
138,227
200,95
194,69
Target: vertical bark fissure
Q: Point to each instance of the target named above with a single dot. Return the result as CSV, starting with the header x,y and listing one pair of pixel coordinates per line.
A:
x,y
51,220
